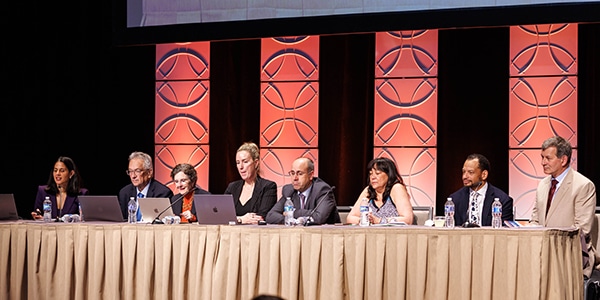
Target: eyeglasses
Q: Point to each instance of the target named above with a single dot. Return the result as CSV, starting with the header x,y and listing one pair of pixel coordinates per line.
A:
x,y
294,173
137,172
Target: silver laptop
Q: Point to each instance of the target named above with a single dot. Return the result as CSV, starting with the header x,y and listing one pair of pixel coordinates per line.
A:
x,y
101,208
151,207
8,209
212,209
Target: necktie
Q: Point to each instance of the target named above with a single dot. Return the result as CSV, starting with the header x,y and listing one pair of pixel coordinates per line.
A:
x,y
551,194
139,212
474,209
302,198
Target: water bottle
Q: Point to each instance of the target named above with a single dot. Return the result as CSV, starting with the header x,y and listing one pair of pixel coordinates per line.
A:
x,y
449,213
80,212
496,213
364,212
47,210
288,212
132,209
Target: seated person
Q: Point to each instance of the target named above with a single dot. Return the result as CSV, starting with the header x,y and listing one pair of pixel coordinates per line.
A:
x,y
473,202
185,176
141,172
63,187
387,195
253,195
318,201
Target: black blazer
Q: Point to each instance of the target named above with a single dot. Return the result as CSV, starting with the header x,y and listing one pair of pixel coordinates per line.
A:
x,y
325,213
177,200
155,189
461,205
264,196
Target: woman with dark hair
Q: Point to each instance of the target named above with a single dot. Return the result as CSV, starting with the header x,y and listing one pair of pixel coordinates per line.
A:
x,y
386,194
184,176
63,187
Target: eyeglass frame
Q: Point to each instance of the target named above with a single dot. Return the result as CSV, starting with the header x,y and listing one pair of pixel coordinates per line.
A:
x,y
137,172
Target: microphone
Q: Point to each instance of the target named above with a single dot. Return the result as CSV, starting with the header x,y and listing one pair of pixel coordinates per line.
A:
x,y
474,186
157,220
309,220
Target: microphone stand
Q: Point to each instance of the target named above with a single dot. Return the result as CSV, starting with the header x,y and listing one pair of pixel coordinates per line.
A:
x,y
308,221
157,220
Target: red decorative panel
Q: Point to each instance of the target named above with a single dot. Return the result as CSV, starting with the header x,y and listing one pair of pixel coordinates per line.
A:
x,y
182,61
406,53
405,108
290,58
276,163
289,114
167,156
525,172
541,107
405,112
543,102
538,50
182,109
417,166
182,112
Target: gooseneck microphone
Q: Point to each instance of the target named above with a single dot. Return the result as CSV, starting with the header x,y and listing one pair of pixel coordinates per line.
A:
x,y
474,188
309,220
157,220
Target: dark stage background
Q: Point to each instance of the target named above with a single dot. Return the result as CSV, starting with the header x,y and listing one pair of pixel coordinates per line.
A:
x,y
68,90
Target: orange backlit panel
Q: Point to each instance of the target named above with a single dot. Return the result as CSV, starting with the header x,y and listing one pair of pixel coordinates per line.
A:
x,y
405,112
182,61
542,107
406,53
276,163
538,50
182,102
167,156
290,58
289,114
417,166
182,112
525,172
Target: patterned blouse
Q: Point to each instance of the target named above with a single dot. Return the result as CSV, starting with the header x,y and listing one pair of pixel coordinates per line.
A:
x,y
387,210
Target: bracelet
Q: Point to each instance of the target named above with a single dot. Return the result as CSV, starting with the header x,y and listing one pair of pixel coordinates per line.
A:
x,y
239,220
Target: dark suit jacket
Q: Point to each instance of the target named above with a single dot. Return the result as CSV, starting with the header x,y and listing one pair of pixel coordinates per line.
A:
x,y
177,200
155,189
325,213
71,205
461,205
264,196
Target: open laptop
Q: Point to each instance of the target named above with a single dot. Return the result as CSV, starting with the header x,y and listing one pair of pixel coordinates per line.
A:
x,y
8,209
212,209
151,207
101,208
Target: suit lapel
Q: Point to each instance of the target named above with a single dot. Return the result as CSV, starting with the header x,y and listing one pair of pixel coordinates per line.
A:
x,y
560,195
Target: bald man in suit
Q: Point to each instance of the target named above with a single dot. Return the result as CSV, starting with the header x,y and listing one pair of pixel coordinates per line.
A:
x,y
574,198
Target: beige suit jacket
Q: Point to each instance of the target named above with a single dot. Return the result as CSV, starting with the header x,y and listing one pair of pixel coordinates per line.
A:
x,y
574,204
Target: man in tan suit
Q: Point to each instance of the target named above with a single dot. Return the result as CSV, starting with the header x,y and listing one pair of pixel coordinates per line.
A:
x,y
572,200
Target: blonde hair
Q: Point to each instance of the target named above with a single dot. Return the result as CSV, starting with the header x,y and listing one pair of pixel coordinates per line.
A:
x,y
251,148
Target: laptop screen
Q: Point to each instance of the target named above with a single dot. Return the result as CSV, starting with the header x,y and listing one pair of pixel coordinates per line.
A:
x,y
8,209
101,208
214,209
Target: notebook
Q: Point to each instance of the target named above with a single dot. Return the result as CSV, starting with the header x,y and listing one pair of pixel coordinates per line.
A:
x,y
101,208
8,209
151,207
212,209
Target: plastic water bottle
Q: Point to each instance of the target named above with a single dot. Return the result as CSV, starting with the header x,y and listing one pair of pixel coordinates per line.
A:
x,y
80,212
288,212
449,213
132,210
364,212
496,213
47,210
